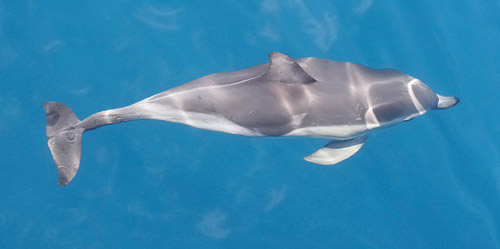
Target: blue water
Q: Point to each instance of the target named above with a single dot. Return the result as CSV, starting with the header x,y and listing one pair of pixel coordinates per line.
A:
x,y
433,182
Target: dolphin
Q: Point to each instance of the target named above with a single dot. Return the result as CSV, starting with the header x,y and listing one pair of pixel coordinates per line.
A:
x,y
308,97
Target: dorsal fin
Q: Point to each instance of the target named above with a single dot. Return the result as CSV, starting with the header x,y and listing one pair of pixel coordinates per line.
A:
x,y
284,69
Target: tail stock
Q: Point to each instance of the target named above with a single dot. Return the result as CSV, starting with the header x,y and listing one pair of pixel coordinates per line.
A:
x,y
65,140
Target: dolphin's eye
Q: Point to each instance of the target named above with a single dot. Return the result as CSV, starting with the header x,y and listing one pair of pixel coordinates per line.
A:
x,y
393,111
388,112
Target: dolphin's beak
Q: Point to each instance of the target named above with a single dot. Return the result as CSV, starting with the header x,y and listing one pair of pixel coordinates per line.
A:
x,y
446,102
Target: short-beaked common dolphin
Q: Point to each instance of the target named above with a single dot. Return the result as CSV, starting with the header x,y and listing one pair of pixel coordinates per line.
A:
x,y
308,97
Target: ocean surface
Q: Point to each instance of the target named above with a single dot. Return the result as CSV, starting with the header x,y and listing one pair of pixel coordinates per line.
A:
x,y
433,182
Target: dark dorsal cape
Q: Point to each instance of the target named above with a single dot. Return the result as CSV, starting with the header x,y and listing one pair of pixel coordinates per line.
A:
x,y
262,98
284,95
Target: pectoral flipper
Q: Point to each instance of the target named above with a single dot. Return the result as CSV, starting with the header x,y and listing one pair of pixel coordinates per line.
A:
x,y
337,150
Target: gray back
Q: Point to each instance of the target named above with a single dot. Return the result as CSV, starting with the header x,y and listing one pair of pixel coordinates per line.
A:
x,y
267,98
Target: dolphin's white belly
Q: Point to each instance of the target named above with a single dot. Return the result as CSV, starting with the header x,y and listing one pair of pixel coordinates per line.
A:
x,y
339,132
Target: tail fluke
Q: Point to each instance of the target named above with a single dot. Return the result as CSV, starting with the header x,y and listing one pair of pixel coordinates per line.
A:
x,y
65,140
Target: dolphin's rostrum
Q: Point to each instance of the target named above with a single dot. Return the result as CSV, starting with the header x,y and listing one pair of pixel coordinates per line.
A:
x,y
308,97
